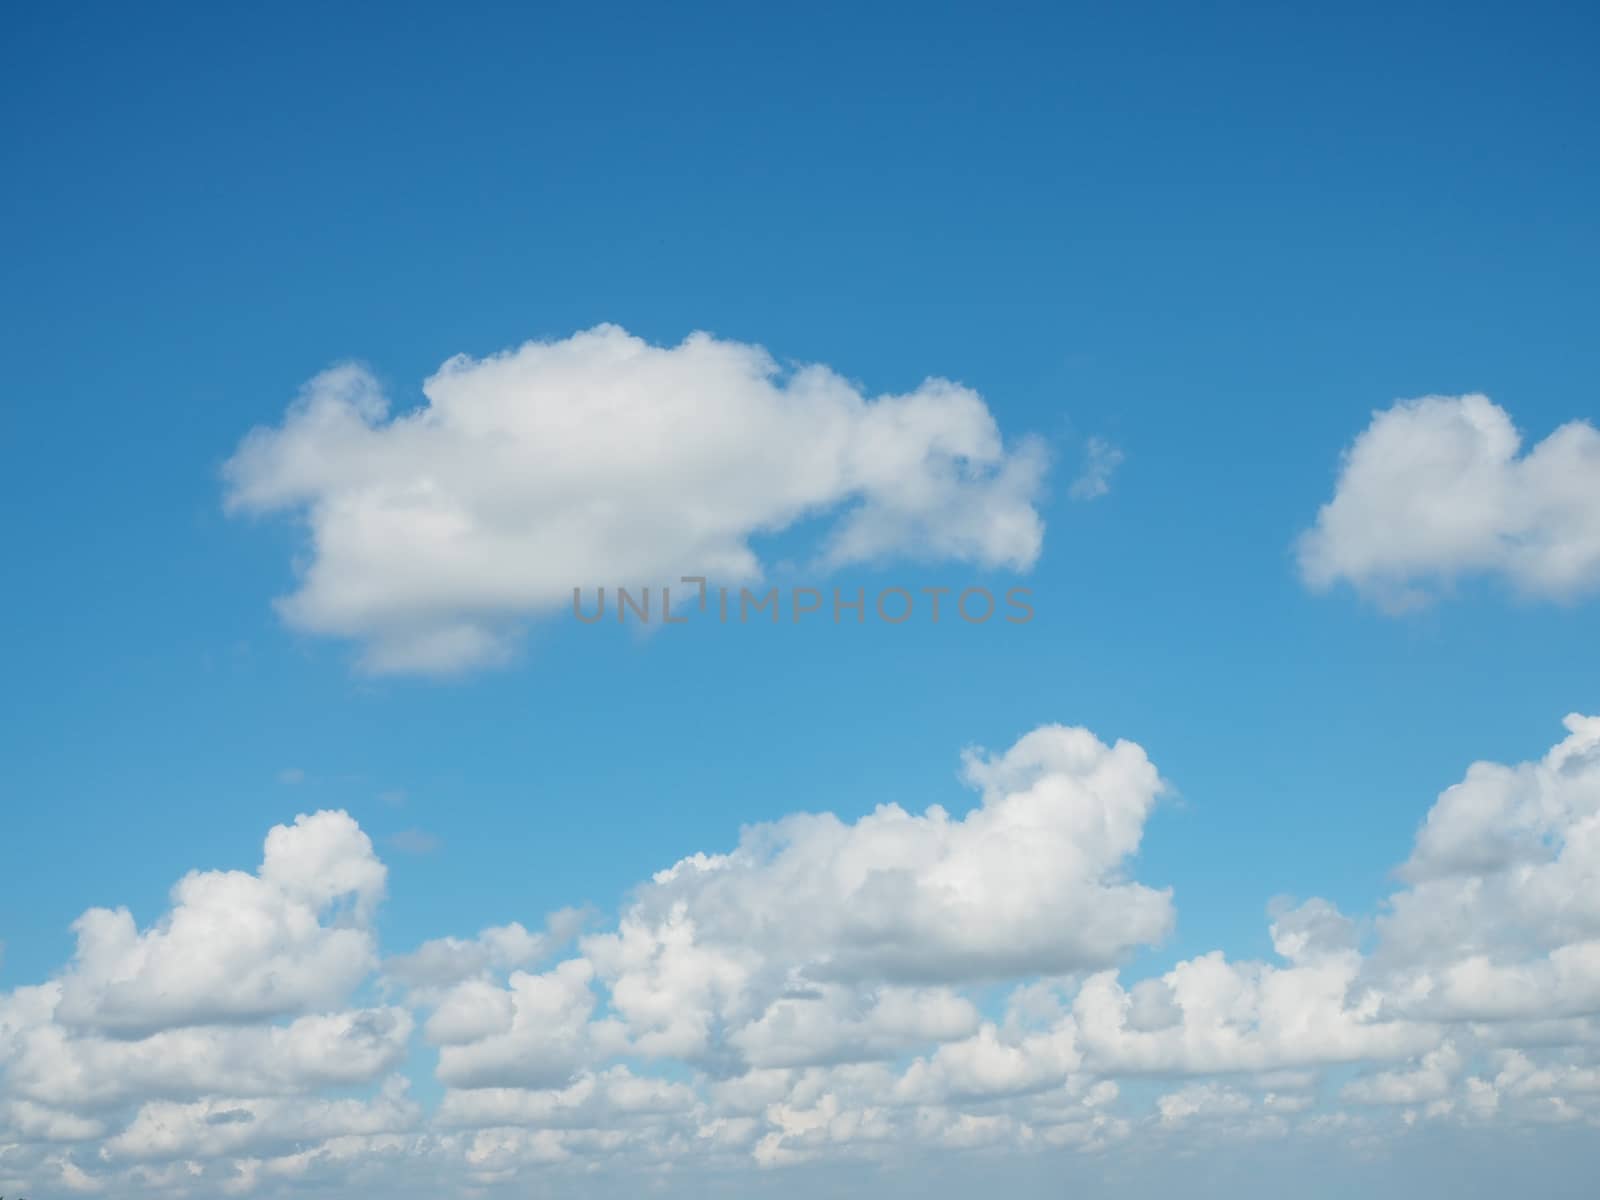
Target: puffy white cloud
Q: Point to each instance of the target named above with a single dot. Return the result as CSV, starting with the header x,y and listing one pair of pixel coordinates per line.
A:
x,y
1030,881
1439,488
1502,918
235,946
832,1023
535,1033
992,1062
54,1064
448,960
1242,1016
828,992
211,1032
601,459
1499,922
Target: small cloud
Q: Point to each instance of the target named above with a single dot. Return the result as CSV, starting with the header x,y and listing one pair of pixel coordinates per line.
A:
x,y
1100,459
394,797
291,776
1442,488
414,841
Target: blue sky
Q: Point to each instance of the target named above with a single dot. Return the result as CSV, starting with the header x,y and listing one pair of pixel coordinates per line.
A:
x,y
1218,241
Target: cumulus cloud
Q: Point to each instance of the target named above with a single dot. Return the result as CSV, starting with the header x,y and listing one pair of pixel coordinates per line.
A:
x,y
1440,488
1218,1015
48,1062
236,946
1502,918
602,459
210,1033
441,962
826,992
534,1033
1034,1049
837,1024
1030,881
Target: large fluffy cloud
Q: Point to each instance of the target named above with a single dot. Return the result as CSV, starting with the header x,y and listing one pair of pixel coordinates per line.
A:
x,y
235,946
603,460
1502,918
1030,881
1439,488
212,1032
827,992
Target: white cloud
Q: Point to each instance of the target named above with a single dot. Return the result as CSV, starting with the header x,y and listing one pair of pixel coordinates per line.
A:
x,y
536,1033
590,1100
236,946
1031,881
1243,1016
1432,1079
1439,488
828,992
1199,1101
601,459
832,1023
219,1127
1502,918
441,962
48,1062
993,1062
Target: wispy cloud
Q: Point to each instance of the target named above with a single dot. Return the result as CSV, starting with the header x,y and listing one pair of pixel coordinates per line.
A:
x,y
414,841
1100,461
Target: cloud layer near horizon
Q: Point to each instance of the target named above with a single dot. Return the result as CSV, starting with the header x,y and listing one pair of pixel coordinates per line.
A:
x,y
601,459
826,991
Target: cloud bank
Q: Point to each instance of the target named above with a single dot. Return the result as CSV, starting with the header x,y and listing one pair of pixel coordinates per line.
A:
x,y
825,992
